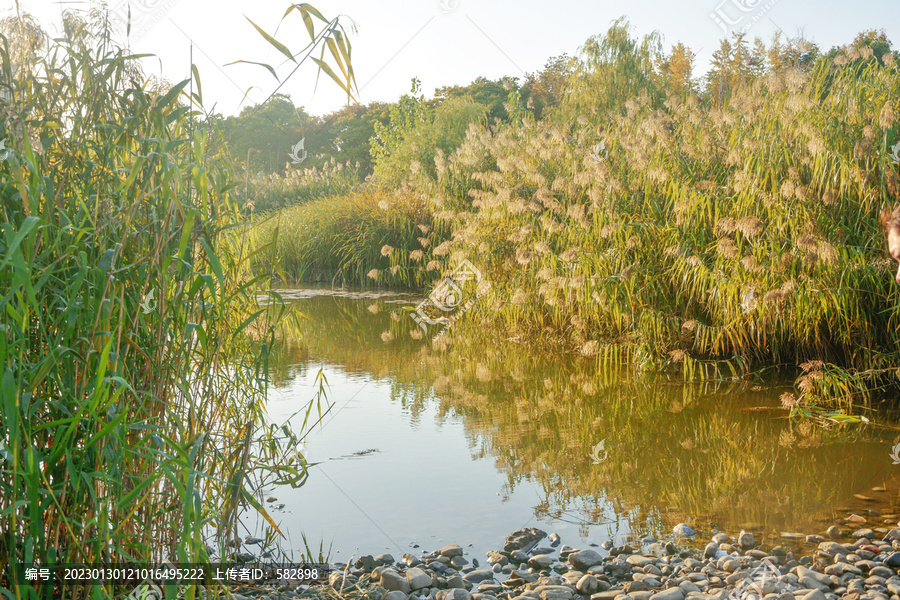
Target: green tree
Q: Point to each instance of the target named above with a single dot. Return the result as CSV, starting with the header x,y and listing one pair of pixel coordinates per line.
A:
x,y
416,130
344,135
268,132
546,90
486,92
614,68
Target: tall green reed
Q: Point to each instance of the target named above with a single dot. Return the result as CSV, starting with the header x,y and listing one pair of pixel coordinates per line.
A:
x,y
130,389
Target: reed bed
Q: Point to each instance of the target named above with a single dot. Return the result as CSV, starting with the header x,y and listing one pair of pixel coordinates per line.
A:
x,y
709,233
370,237
300,185
130,390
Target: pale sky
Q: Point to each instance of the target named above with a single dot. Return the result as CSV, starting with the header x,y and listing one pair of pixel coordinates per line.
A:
x,y
442,42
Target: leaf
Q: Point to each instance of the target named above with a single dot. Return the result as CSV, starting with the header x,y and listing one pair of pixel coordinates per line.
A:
x,y
278,45
250,62
170,95
255,504
306,10
214,262
323,66
196,76
27,225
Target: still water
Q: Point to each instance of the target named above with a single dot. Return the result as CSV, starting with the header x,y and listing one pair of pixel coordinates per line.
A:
x,y
470,438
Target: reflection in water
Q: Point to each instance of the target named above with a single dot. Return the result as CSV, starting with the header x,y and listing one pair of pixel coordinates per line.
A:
x,y
717,452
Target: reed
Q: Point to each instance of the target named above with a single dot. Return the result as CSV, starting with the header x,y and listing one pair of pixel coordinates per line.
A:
x,y
707,234
130,390
370,237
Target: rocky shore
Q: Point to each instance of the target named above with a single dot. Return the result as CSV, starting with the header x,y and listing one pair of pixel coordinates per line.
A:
x,y
535,566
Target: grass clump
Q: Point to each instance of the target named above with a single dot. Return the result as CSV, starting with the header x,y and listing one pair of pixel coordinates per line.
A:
x,y
299,186
369,237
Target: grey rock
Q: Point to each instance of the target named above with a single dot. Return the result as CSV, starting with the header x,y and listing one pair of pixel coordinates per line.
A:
x,y
684,530
834,532
710,550
541,561
893,560
497,558
688,587
458,562
391,581
746,540
456,582
584,559
815,595
588,585
803,574
554,592
832,548
893,534
451,550
669,594
554,540
395,595
815,539
638,561
523,538
384,559
478,576
454,594
607,594
366,563
418,578
880,571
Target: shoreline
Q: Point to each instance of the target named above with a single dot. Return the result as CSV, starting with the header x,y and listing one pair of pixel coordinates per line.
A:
x,y
690,565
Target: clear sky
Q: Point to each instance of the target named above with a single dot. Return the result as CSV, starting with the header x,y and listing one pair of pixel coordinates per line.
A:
x,y
442,42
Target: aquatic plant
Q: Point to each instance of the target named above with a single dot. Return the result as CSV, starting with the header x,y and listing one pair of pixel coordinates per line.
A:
x,y
130,389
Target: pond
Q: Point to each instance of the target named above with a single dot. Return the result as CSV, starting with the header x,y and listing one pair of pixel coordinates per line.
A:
x,y
468,438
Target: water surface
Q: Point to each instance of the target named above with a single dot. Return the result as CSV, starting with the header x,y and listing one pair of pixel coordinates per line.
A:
x,y
468,439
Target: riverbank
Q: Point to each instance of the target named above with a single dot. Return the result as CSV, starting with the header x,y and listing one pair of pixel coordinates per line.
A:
x,y
690,565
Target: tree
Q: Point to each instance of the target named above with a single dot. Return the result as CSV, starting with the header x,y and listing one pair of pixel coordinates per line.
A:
x,y
614,68
268,131
486,92
677,70
547,89
876,40
718,79
344,135
416,130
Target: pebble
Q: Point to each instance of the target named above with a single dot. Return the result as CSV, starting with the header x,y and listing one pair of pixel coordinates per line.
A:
x,y
718,570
